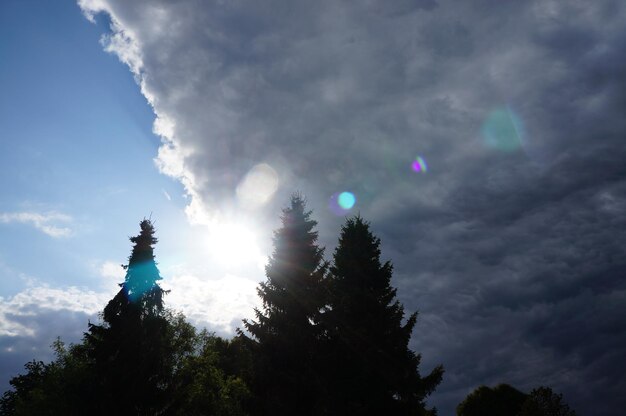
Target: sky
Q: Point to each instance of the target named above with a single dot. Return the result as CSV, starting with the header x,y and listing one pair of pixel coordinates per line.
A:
x,y
483,140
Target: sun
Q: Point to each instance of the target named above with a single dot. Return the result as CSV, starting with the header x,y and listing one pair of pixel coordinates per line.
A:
x,y
232,244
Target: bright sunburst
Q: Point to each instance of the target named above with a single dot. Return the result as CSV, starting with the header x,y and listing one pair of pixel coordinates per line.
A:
x,y
233,244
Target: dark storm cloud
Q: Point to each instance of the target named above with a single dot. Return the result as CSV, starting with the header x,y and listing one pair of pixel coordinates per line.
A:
x,y
513,251
523,285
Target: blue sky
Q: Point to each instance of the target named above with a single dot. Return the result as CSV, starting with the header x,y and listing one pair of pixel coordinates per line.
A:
x,y
77,165
76,141
208,116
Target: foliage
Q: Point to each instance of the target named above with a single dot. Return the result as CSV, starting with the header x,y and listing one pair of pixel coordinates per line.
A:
x,y
63,386
372,369
206,388
27,392
69,385
502,400
542,401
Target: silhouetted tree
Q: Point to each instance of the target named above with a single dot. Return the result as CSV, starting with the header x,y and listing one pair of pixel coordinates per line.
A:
x,y
502,400
27,390
130,348
284,336
62,387
542,401
372,369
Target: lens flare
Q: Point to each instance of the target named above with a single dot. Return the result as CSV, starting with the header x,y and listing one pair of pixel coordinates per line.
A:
x,y
502,130
346,200
419,165
341,202
258,186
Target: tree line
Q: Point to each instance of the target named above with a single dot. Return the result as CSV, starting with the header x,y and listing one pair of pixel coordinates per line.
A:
x,y
330,338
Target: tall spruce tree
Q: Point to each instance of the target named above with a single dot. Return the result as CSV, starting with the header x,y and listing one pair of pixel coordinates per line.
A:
x,y
372,369
286,332
131,348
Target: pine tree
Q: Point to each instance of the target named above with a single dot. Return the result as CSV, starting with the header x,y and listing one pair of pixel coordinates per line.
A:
x,y
373,370
286,333
131,349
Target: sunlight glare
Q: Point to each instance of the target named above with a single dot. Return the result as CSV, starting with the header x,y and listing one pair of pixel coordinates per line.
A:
x,y
234,245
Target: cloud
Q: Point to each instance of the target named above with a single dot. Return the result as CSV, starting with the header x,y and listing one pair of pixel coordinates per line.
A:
x,y
166,195
218,304
46,223
215,303
32,319
510,245
24,313
113,274
31,333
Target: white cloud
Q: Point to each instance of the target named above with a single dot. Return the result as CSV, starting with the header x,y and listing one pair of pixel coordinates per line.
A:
x,y
92,7
218,304
113,274
47,223
16,312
